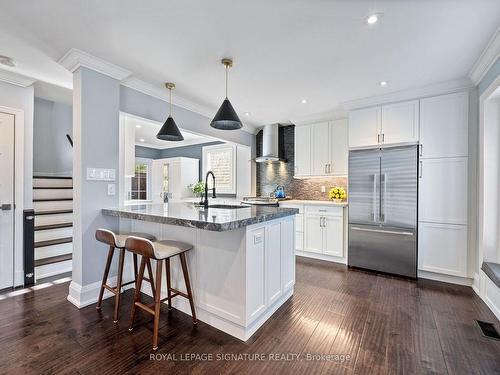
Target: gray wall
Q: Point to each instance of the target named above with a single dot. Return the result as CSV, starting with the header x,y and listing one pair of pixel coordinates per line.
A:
x,y
147,152
52,153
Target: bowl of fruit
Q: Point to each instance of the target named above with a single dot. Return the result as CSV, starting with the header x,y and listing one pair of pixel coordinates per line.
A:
x,y
337,194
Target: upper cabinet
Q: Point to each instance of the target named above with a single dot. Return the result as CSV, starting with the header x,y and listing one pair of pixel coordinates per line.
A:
x,y
364,127
321,149
387,124
444,126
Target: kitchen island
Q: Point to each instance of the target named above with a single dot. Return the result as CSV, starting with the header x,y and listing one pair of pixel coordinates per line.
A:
x,y
242,266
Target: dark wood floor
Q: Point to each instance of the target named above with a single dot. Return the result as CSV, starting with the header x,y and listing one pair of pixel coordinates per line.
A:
x,y
385,325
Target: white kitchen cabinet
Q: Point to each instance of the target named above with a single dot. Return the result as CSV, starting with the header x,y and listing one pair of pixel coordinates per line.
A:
x,y
274,256
313,241
443,190
400,122
324,231
333,228
320,148
303,158
364,127
287,255
387,124
339,147
442,248
444,126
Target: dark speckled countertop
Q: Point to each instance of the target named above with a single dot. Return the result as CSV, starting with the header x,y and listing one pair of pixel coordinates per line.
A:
x,y
189,215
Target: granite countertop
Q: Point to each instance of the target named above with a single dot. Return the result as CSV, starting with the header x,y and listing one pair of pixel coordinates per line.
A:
x,y
313,202
188,215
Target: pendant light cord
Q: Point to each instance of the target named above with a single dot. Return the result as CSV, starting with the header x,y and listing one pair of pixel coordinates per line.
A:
x,y
170,101
226,79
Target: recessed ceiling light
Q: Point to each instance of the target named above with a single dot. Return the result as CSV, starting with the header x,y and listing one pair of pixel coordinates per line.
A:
x,y
8,61
247,113
303,101
372,19
142,139
138,126
383,83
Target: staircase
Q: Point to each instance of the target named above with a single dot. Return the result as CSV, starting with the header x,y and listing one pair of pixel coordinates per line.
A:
x,y
53,205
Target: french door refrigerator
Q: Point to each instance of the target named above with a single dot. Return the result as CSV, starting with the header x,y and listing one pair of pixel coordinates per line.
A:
x,y
383,191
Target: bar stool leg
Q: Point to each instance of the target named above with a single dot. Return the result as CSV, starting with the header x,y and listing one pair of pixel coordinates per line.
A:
x,y
119,284
105,276
150,275
137,293
169,286
134,256
188,285
159,264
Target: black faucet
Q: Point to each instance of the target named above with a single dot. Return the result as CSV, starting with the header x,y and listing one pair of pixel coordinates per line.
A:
x,y
205,203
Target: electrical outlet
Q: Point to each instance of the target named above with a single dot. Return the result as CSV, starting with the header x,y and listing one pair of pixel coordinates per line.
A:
x,y
323,189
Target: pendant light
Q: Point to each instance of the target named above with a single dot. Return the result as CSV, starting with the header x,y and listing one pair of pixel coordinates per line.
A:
x,y
169,131
226,117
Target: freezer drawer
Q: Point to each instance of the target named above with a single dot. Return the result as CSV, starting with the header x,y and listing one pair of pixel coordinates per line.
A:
x,y
383,249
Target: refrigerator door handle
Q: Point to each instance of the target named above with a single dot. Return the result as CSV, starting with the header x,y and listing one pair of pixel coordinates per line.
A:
x,y
382,231
383,188
375,209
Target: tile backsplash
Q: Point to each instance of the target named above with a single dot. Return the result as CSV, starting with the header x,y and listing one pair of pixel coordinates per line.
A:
x,y
270,175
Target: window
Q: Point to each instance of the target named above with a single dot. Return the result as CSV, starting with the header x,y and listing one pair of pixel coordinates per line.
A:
x,y
140,183
221,160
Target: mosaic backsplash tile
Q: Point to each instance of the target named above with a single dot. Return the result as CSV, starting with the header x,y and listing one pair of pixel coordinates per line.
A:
x,y
270,175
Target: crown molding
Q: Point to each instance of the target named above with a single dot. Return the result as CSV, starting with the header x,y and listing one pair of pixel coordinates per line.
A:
x,y
15,78
440,88
487,58
74,59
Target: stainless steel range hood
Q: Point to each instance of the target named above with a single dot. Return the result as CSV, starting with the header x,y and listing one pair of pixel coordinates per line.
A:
x,y
270,144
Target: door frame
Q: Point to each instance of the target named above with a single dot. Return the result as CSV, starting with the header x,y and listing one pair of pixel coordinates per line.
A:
x,y
18,191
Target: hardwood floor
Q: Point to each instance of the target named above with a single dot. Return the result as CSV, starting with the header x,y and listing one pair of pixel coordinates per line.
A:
x,y
375,324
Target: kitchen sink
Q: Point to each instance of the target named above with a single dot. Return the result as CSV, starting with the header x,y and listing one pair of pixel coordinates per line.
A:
x,y
226,206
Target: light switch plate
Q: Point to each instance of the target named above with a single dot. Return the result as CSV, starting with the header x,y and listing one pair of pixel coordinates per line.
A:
x,y
257,238
111,189
323,189
101,174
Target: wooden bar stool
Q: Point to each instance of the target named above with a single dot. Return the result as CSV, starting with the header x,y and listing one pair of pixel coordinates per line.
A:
x,y
160,250
117,241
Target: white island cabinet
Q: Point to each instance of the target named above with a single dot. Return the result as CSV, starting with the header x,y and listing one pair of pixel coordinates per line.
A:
x,y
242,265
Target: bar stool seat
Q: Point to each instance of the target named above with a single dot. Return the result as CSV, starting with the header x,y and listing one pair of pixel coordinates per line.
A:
x,y
117,241
159,251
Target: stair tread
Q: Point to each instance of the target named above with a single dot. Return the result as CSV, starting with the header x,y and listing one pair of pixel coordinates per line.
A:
x,y
53,226
54,259
53,212
52,199
52,187
55,177
57,241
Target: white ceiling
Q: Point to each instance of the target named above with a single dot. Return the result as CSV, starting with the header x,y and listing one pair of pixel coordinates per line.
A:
x,y
284,50
145,135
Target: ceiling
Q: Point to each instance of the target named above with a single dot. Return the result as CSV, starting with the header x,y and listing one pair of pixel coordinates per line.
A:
x,y
284,50
145,135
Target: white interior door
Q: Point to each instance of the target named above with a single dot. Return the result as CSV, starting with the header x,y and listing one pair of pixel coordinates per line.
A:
x,y
6,200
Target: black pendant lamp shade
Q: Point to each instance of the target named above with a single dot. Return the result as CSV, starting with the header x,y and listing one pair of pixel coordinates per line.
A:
x,y
226,117
169,131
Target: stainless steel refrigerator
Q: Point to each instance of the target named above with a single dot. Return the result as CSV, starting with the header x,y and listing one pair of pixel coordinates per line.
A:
x,y
383,191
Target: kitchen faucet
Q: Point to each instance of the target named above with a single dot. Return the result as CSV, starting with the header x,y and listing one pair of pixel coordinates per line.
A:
x,y
205,203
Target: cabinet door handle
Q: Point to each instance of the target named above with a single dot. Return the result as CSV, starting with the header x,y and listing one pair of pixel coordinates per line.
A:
x,y
421,149
421,168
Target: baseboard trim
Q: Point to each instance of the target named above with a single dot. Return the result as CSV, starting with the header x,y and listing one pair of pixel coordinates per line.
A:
x,y
82,296
466,281
324,257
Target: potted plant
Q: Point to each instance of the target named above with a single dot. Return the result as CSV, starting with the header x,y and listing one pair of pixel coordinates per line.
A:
x,y
337,194
198,189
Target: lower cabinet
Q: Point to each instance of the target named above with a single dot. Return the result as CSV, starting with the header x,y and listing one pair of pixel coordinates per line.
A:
x,y
442,248
324,233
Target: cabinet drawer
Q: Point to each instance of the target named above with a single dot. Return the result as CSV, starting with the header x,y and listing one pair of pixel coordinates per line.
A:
x,y
324,210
